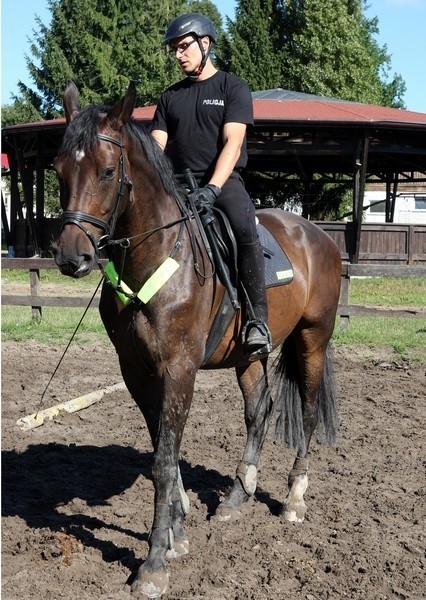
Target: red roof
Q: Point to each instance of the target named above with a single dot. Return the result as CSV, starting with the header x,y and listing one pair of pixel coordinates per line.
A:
x,y
300,108
4,161
329,110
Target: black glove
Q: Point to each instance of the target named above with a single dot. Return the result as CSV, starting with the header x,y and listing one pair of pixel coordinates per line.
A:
x,y
205,197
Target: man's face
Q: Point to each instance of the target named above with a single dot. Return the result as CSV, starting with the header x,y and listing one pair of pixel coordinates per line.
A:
x,y
187,52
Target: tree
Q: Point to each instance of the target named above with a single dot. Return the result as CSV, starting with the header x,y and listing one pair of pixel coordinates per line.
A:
x,y
20,111
393,90
251,47
101,45
323,47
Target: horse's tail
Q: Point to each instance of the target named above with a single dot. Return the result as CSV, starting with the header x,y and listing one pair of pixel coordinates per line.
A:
x,y
288,400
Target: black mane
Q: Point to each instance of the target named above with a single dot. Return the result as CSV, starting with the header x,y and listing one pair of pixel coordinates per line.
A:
x,y
82,134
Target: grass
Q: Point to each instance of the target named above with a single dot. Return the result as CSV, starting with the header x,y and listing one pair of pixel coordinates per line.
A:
x,y
55,328
388,291
51,276
403,336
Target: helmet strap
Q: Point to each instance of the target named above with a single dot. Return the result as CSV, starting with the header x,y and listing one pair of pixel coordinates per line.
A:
x,y
204,56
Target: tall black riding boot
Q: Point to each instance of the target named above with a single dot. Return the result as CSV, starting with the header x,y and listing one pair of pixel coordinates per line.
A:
x,y
256,335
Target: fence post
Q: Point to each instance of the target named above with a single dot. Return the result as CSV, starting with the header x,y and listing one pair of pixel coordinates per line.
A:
x,y
35,289
344,299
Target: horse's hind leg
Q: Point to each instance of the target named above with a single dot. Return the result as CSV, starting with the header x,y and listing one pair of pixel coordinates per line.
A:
x,y
253,383
318,401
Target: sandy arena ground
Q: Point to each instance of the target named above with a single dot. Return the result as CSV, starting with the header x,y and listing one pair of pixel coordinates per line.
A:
x,y
77,496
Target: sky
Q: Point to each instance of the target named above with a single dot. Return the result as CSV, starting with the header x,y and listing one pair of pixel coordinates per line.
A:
x,y
401,29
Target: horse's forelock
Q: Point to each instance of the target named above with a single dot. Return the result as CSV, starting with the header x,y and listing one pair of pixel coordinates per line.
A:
x,y
82,132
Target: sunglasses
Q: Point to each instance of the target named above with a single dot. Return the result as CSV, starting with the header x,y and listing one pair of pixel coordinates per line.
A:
x,y
183,47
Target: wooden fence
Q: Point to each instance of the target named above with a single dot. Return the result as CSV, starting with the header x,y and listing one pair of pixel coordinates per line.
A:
x,y
380,243
345,310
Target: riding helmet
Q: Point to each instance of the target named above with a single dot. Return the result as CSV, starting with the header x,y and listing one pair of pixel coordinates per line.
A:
x,y
194,23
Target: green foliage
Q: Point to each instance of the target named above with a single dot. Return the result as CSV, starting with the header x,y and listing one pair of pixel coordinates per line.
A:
x,y
20,111
101,45
323,47
250,48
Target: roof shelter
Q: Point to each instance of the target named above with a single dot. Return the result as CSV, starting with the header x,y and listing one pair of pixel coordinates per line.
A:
x,y
294,134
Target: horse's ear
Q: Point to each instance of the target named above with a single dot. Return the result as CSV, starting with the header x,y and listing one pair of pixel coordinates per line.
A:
x,y
71,102
122,111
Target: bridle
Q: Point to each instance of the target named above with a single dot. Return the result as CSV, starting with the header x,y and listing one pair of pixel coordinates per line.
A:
x,y
77,217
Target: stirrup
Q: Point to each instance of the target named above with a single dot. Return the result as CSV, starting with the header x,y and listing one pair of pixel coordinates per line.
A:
x,y
257,341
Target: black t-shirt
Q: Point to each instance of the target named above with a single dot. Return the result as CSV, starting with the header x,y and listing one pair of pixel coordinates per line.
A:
x,y
193,115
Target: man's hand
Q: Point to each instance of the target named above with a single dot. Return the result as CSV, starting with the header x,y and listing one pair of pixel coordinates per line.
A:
x,y
205,197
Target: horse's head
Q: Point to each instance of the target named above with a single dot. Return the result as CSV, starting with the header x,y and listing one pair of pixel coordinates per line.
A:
x,y
94,185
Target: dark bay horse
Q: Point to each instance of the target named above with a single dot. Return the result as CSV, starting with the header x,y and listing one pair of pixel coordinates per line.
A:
x,y
118,192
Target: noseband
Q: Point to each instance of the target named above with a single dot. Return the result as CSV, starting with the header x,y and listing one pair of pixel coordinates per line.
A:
x,y
77,217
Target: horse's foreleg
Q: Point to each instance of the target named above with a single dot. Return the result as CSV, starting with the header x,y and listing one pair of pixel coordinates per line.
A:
x,y
165,407
180,508
258,403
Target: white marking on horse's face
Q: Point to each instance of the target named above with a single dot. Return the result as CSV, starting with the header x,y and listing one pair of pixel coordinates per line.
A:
x,y
79,155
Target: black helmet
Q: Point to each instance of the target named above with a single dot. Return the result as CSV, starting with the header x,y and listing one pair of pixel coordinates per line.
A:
x,y
194,23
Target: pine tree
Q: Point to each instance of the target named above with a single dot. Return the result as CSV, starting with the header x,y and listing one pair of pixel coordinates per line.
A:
x,y
327,51
101,45
323,47
251,46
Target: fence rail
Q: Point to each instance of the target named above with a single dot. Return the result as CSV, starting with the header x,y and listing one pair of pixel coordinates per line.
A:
x,y
345,309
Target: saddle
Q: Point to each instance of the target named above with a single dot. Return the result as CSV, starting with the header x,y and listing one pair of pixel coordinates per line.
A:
x,y
224,250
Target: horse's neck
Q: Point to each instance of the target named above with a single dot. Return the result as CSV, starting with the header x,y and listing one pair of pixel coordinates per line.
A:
x,y
145,222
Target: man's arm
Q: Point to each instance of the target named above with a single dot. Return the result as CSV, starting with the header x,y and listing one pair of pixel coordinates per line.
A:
x,y
233,139
160,137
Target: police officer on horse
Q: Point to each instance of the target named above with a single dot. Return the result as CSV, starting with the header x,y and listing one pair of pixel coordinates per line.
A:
x,y
201,124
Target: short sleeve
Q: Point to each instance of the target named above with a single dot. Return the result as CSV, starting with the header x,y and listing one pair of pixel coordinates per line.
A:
x,y
159,120
239,106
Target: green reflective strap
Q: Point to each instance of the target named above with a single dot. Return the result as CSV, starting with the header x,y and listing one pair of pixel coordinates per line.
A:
x,y
149,288
112,276
158,279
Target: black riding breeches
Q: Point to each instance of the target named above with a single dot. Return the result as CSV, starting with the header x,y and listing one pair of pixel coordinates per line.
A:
x,y
237,205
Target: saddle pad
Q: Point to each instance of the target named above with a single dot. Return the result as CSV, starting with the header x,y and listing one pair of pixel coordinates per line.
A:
x,y
278,269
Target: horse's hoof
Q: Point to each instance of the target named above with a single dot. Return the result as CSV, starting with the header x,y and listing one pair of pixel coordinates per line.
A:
x,y
294,513
225,514
180,548
151,585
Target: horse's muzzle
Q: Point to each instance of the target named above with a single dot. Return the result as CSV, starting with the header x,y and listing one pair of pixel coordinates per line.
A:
x,y
72,264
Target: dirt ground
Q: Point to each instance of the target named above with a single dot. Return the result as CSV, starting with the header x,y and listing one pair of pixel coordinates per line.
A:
x,y
77,496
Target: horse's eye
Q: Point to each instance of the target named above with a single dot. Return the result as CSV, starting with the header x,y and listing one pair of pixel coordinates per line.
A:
x,y
108,173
